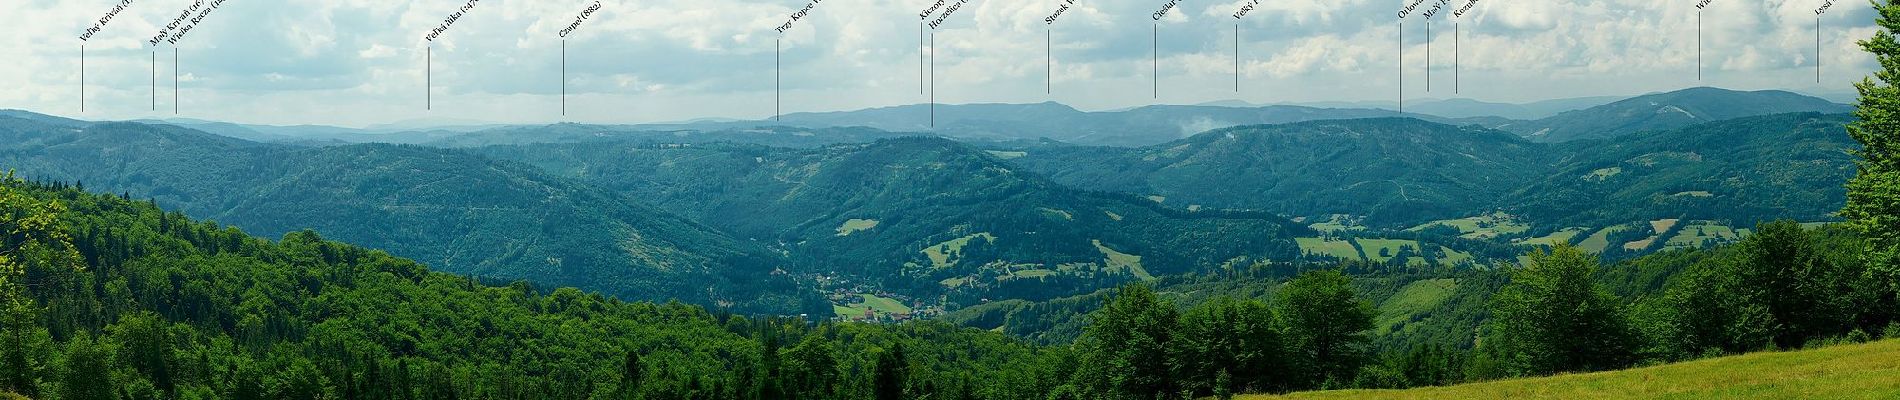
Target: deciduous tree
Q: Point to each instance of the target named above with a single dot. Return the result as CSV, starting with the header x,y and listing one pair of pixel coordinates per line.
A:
x,y
1228,345
1326,327
1554,317
1125,348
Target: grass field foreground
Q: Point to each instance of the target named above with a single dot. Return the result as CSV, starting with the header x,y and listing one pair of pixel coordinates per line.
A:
x,y
1856,371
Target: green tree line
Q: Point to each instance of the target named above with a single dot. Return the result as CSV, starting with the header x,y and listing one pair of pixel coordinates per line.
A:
x,y
110,298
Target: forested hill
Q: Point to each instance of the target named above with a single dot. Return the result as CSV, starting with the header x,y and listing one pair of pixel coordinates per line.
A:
x,y
1746,170
107,298
455,211
1399,173
924,215
1667,111
1386,168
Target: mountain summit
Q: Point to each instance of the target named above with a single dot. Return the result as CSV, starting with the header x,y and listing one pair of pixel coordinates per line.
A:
x,y
1672,110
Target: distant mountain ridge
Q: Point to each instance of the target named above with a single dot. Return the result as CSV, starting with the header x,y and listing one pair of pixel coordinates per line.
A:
x,y
1665,111
1468,108
997,123
1453,107
1554,120
1138,126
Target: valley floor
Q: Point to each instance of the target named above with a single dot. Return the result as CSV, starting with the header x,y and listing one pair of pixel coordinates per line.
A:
x,y
1862,371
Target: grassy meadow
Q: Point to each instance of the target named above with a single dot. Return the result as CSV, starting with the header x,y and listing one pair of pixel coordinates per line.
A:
x,y
1856,371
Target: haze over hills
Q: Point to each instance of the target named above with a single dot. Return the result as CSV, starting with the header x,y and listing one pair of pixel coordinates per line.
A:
x,y
999,123
778,136
1581,118
1466,108
1554,120
1454,107
527,134
1133,127
42,118
454,211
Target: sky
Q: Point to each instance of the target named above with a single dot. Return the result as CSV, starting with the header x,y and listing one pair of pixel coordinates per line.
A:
x,y
362,62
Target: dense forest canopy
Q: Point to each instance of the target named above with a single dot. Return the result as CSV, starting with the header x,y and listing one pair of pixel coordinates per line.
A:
x,y
114,298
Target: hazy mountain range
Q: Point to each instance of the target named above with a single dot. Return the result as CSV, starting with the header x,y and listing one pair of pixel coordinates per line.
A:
x,y
999,201
1544,121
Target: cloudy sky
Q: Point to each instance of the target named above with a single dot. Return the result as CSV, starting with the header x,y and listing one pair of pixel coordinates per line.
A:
x,y
363,62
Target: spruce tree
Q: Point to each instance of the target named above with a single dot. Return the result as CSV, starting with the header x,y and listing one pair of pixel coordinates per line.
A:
x,y
1873,196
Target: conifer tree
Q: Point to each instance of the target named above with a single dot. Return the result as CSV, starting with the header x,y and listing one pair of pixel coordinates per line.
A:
x,y
1873,196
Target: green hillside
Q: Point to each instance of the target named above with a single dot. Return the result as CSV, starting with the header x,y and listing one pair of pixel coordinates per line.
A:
x,y
107,298
1744,170
449,209
1668,111
1413,309
1855,371
1393,171
1396,174
945,212
729,213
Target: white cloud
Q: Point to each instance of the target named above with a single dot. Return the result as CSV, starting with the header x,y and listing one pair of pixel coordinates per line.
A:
x,y
361,62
